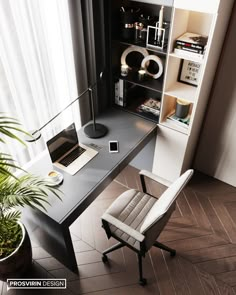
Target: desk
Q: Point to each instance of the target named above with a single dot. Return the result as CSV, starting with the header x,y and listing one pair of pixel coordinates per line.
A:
x,y
51,228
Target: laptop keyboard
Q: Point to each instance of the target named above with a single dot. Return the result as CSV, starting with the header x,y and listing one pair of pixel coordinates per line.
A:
x,y
72,156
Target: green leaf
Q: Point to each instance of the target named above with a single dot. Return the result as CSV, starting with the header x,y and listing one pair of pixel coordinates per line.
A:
x,y
27,190
11,135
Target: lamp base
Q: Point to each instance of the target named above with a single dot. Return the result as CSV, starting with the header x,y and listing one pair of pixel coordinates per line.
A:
x,y
95,130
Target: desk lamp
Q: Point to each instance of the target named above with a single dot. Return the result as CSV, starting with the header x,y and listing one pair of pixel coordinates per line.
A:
x,y
92,130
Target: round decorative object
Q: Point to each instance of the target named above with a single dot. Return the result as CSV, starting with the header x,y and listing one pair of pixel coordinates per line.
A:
x,y
130,49
19,261
156,59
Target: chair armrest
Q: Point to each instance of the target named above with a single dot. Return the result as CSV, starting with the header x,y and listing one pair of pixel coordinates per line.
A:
x,y
123,227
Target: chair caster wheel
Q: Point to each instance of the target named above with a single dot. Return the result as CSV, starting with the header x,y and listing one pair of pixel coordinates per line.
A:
x,y
104,258
173,253
142,282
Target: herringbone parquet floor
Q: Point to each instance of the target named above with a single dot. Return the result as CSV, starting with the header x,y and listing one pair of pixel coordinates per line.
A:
x,y
202,230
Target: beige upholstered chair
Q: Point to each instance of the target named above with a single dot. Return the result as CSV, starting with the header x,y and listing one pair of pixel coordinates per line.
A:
x,y
136,218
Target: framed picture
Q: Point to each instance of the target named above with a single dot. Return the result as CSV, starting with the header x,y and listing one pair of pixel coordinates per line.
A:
x,y
189,72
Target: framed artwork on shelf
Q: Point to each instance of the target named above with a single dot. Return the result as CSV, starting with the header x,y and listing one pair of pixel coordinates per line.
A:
x,y
189,72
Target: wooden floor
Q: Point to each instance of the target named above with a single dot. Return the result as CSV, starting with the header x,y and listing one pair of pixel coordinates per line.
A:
x,y
202,230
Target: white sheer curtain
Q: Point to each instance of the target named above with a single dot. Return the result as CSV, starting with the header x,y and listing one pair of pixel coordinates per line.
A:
x,y
37,70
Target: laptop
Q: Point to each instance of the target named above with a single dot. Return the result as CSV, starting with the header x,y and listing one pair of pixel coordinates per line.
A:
x,y
66,153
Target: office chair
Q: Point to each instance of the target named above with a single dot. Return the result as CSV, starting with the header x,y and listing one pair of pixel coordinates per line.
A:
x,y
136,218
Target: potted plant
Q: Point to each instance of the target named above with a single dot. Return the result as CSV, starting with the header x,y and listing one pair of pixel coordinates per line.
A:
x,y
15,192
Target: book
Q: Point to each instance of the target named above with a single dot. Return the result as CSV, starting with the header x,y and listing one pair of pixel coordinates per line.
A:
x,y
152,103
150,106
181,122
192,40
190,45
188,54
120,97
190,48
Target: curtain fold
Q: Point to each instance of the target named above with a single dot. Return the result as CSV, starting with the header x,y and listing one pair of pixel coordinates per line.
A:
x,y
37,68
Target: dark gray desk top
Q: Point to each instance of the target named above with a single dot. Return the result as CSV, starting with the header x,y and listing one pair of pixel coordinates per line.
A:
x,y
80,190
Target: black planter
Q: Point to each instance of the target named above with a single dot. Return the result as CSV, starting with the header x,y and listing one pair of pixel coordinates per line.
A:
x,y
19,261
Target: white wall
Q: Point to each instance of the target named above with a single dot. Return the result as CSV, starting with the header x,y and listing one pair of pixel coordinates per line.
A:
x,y
216,153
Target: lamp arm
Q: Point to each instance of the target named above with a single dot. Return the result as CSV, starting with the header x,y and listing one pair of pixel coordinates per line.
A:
x,y
77,98
93,130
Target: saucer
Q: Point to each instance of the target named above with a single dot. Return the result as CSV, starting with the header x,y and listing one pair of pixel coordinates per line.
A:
x,y
57,182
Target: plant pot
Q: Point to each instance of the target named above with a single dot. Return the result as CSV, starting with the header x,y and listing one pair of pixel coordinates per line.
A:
x,y
19,261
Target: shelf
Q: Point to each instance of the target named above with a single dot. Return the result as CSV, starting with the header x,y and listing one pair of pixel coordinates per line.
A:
x,y
168,108
190,21
175,88
174,126
138,100
182,90
141,44
187,57
132,109
149,83
198,5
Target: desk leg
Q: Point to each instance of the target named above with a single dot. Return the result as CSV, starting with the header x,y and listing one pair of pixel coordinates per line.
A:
x,y
52,236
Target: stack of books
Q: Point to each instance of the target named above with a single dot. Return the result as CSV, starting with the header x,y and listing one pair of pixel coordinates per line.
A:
x,y
191,45
150,106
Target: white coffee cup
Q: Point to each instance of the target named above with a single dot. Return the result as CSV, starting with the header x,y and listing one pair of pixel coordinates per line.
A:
x,y
53,175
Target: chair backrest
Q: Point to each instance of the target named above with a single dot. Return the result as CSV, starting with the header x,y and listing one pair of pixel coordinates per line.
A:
x,y
162,205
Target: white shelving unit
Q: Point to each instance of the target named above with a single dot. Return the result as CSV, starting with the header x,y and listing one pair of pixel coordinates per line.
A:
x,y
175,145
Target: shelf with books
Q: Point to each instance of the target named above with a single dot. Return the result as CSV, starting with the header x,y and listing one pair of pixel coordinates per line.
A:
x,y
149,106
178,124
191,46
136,99
133,110
192,22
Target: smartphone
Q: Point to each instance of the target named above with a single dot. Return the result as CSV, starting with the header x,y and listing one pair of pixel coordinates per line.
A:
x,y
113,146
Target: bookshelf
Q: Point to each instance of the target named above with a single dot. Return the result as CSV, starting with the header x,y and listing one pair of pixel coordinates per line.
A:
x,y
175,146
175,142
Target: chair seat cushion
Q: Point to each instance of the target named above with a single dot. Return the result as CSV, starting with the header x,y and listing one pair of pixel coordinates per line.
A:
x,y
131,208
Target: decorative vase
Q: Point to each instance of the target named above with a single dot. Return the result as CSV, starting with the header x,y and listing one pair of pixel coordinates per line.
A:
x,y
182,108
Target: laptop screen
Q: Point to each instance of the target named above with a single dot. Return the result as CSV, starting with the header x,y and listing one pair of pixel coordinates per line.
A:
x,y
62,142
